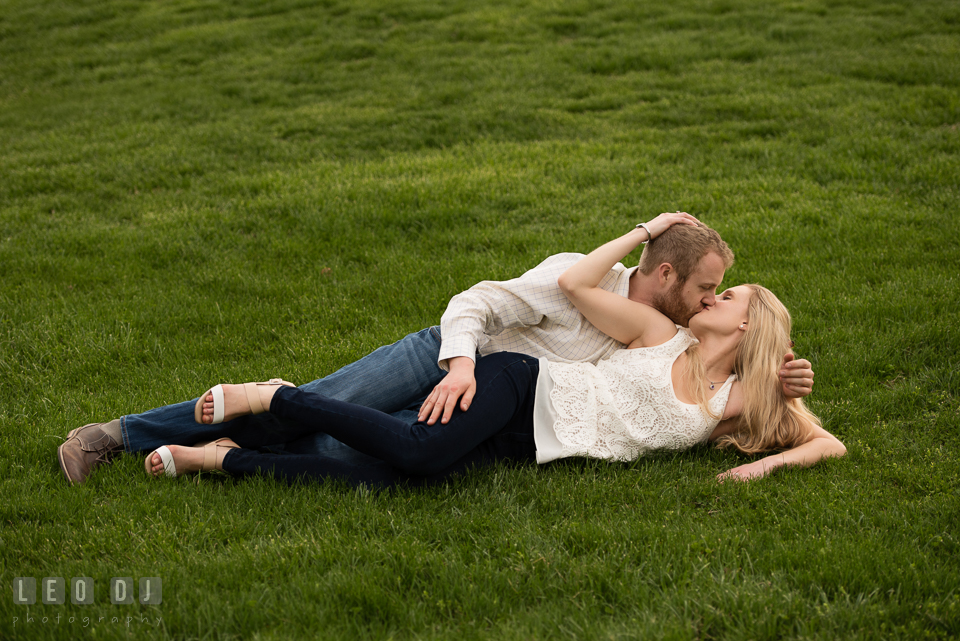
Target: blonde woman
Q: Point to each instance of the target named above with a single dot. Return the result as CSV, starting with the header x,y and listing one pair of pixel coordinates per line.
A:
x,y
671,388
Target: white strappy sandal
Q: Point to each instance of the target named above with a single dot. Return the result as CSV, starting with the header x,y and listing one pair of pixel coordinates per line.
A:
x,y
213,453
253,397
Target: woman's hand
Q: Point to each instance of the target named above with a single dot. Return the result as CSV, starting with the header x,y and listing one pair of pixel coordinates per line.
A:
x,y
663,222
755,470
821,444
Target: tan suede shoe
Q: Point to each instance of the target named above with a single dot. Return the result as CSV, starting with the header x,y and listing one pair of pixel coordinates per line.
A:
x,y
85,448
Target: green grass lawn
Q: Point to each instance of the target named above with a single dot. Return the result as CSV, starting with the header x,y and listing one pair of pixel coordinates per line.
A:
x,y
196,191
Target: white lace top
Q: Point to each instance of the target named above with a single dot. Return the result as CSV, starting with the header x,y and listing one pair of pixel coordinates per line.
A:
x,y
621,407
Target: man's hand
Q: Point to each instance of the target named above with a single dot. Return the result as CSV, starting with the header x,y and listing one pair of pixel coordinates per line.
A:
x,y
796,377
443,399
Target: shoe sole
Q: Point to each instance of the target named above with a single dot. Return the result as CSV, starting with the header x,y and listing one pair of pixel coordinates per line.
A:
x,y
63,468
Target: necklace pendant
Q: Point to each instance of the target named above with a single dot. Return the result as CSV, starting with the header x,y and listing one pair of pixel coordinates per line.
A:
x,y
712,385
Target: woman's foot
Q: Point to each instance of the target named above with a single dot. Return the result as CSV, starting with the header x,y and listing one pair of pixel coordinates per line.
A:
x,y
183,459
227,402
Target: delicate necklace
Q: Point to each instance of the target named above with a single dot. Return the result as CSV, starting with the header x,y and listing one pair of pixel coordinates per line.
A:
x,y
712,384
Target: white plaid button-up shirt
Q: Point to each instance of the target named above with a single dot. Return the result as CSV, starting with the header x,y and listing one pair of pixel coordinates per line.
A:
x,y
529,315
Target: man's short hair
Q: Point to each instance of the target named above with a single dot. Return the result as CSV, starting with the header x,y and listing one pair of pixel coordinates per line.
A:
x,y
683,246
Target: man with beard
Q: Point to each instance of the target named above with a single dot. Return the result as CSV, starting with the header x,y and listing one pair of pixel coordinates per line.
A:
x,y
678,275
421,377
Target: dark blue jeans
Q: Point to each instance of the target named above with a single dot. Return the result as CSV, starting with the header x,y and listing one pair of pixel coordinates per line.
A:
x,y
498,426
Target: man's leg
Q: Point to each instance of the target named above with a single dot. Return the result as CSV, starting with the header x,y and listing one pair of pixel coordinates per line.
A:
x,y
390,379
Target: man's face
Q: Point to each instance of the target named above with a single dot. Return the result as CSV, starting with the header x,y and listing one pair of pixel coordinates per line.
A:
x,y
682,300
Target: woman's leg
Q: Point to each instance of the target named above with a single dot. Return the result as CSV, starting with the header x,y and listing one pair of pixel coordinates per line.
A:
x,y
505,392
499,425
292,468
507,446
514,442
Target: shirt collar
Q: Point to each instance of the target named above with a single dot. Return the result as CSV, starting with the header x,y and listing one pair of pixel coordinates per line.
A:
x,y
623,282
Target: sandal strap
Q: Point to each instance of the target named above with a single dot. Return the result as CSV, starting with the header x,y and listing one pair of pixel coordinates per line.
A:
x,y
209,457
217,391
214,452
253,398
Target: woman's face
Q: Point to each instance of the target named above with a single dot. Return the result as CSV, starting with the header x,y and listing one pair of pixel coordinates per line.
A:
x,y
728,312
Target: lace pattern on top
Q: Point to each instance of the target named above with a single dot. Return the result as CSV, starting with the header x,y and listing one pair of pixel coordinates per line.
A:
x,y
625,405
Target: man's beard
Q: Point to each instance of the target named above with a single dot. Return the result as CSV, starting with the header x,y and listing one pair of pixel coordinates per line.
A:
x,y
671,305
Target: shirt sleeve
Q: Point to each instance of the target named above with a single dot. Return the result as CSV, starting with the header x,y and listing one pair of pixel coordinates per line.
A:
x,y
490,307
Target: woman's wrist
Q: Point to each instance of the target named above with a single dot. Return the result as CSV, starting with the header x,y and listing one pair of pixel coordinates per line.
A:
x,y
644,227
775,460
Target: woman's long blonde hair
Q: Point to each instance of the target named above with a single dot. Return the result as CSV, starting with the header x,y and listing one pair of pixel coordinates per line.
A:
x,y
769,420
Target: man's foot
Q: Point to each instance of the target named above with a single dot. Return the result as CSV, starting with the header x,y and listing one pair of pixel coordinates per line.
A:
x,y
227,402
183,459
86,448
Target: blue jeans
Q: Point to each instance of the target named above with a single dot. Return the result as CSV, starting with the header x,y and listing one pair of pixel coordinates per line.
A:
x,y
498,426
394,379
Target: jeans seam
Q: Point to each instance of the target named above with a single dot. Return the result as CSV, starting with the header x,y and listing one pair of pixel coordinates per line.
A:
x,y
124,436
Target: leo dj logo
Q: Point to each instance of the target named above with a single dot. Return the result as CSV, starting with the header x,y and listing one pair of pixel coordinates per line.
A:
x,y
53,590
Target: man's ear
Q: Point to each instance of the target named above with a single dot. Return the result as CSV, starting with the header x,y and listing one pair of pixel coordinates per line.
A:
x,y
664,273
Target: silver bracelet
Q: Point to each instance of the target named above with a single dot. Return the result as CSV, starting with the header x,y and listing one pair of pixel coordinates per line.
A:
x,y
649,235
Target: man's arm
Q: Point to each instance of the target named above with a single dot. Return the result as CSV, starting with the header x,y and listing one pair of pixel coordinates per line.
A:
x,y
487,309
491,307
460,382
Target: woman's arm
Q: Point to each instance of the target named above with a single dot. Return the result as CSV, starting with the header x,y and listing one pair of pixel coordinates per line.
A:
x,y
821,445
614,315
